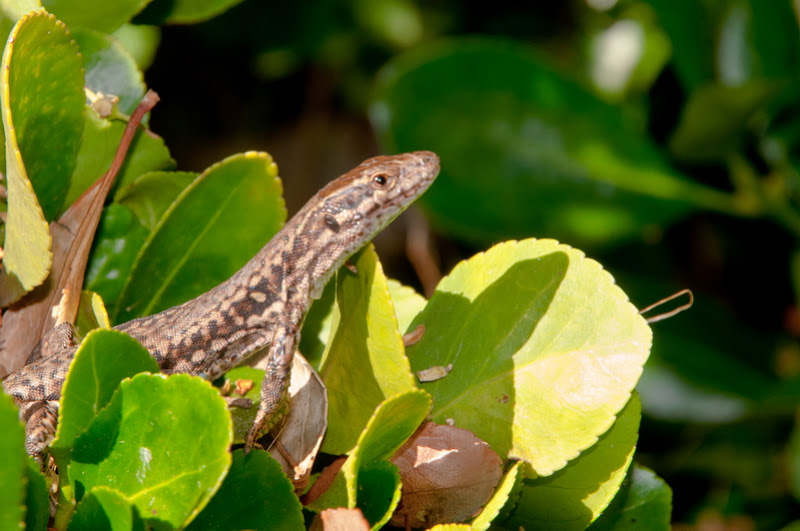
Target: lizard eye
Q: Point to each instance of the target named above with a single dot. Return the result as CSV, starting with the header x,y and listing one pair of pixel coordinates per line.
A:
x,y
380,180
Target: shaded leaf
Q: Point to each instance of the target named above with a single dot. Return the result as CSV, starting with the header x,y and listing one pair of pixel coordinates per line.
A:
x,y
37,499
448,475
109,68
91,313
545,348
150,195
116,245
13,466
365,352
508,489
100,16
201,240
646,504
98,145
379,489
715,119
254,495
184,11
106,509
141,42
576,495
530,151
162,443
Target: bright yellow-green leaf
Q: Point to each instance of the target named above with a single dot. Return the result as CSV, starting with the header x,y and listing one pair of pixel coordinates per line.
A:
x,y
42,106
365,361
545,349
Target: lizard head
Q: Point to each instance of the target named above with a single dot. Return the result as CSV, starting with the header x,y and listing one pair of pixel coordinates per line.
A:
x,y
352,209
360,203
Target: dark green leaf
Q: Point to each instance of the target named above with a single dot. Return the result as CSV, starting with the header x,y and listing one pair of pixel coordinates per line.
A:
x,y
379,489
37,499
646,504
104,509
184,11
255,494
13,465
117,243
524,150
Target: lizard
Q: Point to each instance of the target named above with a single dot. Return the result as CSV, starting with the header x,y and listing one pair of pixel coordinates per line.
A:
x,y
262,306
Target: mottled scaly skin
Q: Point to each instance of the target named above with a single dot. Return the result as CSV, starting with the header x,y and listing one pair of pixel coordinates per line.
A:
x,y
261,306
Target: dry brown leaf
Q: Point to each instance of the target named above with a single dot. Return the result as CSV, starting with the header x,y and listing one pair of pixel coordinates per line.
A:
x,y
29,319
448,474
340,519
300,436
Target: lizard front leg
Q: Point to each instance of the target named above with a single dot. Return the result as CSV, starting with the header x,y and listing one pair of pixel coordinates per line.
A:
x,y
274,387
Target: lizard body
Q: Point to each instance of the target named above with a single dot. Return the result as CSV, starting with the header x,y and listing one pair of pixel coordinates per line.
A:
x,y
263,305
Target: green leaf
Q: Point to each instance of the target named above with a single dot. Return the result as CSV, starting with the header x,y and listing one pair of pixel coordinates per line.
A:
x,y
365,352
407,303
184,11
576,495
318,325
715,119
103,359
690,30
162,443
106,509
43,102
243,418
526,151
13,466
393,421
110,69
100,16
510,484
379,490
215,226
646,503
140,41
255,494
99,143
42,106
37,499
118,240
91,313
545,348
151,194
